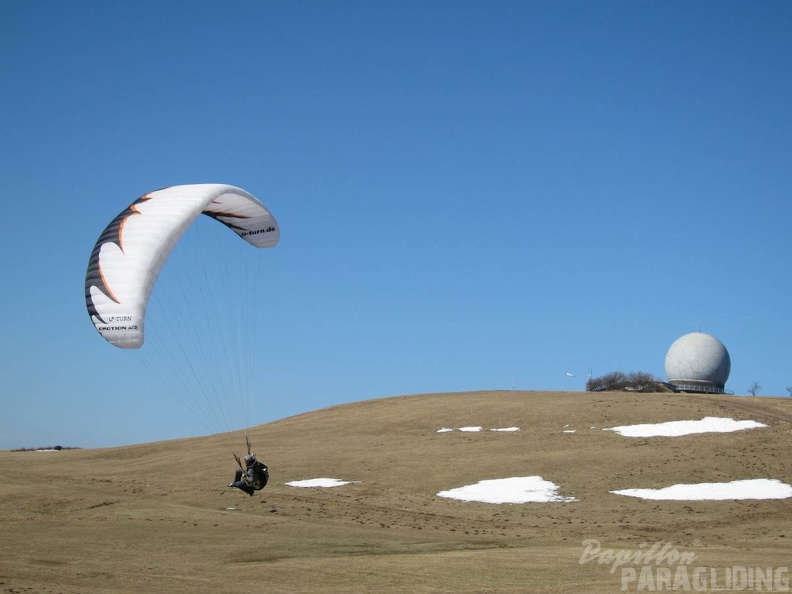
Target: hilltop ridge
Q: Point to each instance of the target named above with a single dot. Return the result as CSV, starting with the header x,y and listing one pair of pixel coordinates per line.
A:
x,y
160,516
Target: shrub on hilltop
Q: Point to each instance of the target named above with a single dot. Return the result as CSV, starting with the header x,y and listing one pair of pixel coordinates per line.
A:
x,y
46,449
635,381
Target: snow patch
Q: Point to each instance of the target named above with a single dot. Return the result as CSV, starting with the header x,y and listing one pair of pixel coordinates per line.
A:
x,y
525,489
320,482
477,429
677,428
745,489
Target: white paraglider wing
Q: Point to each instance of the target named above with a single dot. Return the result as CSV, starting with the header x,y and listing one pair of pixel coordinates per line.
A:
x,y
132,249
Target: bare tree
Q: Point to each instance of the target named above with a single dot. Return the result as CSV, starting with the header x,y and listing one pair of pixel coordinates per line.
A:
x,y
789,390
754,388
615,380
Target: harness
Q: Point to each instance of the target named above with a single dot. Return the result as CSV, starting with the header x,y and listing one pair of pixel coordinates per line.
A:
x,y
257,476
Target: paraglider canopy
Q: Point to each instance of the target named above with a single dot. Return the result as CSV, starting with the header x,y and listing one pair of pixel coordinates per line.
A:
x,y
131,251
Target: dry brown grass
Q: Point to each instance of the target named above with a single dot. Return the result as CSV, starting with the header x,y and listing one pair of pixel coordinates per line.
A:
x,y
154,517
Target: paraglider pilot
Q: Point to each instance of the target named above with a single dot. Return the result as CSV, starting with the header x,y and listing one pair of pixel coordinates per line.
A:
x,y
253,477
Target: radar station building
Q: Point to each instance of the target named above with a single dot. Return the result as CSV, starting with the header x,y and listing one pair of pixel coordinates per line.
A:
x,y
698,362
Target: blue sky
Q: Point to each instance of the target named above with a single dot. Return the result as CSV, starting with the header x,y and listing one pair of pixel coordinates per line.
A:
x,y
472,195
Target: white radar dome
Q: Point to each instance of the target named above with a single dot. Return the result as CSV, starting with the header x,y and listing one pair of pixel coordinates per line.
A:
x,y
698,360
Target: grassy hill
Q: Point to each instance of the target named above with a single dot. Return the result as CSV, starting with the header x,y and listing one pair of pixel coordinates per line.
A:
x,y
156,518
